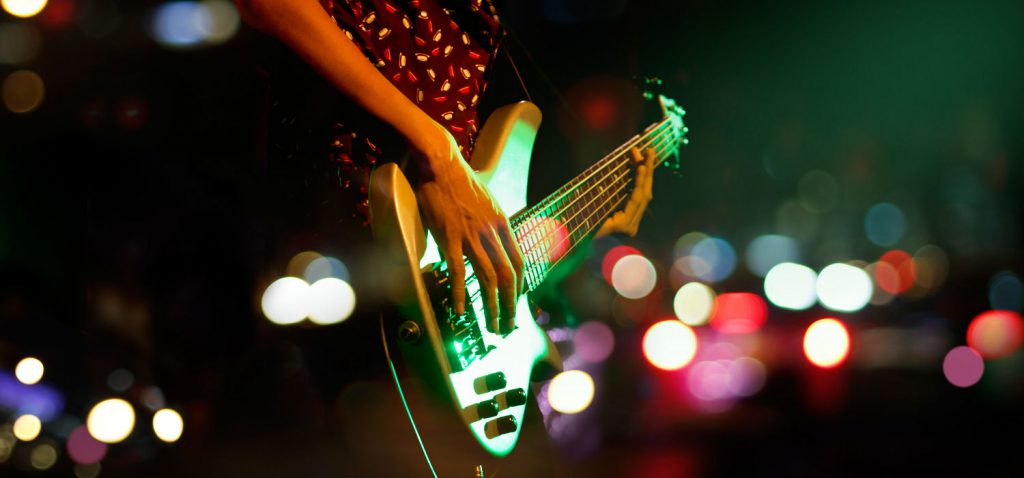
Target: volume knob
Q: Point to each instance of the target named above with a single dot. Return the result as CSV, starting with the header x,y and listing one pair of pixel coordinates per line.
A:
x,y
489,383
500,426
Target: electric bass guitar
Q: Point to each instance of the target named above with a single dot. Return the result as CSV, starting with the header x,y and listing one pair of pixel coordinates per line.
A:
x,y
486,376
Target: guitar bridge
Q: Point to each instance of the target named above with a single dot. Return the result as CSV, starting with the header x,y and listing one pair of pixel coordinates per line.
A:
x,y
461,333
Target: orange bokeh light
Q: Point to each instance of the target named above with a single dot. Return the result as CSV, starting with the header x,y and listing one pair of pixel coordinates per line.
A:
x,y
895,272
996,333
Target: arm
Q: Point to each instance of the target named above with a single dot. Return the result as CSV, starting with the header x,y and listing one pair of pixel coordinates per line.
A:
x,y
456,207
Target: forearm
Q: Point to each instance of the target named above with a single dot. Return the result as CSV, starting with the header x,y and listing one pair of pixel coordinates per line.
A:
x,y
306,28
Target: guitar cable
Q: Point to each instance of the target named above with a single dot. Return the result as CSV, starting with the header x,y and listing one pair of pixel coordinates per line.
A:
x,y
401,395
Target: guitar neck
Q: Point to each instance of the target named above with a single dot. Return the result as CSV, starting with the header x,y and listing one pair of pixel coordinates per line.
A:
x,y
555,226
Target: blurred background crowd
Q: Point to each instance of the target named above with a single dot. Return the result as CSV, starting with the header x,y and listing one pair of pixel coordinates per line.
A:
x,y
831,285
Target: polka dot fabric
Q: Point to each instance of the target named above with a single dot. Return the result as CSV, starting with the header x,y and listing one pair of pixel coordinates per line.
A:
x,y
437,54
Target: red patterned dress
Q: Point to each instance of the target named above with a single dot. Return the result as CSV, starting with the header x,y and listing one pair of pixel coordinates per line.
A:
x,y
437,53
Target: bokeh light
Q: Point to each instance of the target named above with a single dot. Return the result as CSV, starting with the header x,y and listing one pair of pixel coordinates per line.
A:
x,y
111,420
769,250
612,257
331,301
669,345
19,42
571,391
190,24
739,313
719,255
221,22
593,342
633,276
932,266
179,24
895,272
23,8
885,224
83,448
87,471
826,343
996,333
747,376
844,287
168,425
684,245
819,191
323,267
286,300
963,366
694,303
794,220
120,380
27,427
1006,292
43,456
709,380
29,370
23,91
791,286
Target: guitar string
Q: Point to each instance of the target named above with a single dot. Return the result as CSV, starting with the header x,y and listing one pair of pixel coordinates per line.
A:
x,y
601,164
568,236
652,139
659,139
660,149
588,173
646,136
477,294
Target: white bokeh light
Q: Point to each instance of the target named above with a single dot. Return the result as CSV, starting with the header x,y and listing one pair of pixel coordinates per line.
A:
x,y
693,303
23,8
111,420
791,286
331,301
669,345
29,370
286,301
168,425
844,287
826,343
634,276
571,391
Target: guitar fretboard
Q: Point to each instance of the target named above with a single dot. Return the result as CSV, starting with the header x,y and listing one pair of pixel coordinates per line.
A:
x,y
554,227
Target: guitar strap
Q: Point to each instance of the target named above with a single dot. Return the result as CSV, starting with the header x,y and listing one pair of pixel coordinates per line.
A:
x,y
511,35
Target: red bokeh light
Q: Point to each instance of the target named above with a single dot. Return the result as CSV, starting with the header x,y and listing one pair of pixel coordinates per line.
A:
x,y
739,313
599,112
895,272
996,333
613,256
58,13
555,237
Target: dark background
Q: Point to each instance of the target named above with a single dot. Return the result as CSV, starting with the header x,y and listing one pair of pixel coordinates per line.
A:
x,y
140,222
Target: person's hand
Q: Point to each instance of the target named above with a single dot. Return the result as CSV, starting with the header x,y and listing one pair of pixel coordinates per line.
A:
x,y
627,220
464,219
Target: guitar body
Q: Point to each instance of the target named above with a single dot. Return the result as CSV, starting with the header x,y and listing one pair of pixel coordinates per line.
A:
x,y
488,396
482,378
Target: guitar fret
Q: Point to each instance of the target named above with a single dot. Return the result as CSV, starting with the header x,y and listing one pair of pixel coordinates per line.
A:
x,y
552,228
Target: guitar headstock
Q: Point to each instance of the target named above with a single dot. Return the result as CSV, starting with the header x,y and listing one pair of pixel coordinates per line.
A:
x,y
674,114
